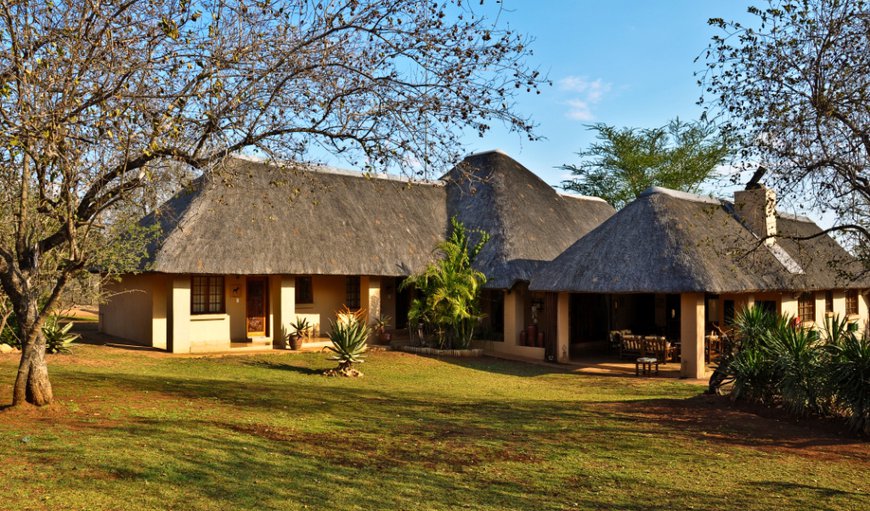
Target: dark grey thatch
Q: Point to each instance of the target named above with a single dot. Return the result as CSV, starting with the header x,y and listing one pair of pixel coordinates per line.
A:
x,y
256,218
529,222
671,242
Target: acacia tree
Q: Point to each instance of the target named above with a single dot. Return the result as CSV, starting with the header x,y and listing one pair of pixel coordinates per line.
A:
x,y
98,98
795,82
626,161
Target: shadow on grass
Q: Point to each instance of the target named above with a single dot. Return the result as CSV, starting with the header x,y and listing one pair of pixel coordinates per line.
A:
x,y
718,421
89,335
208,433
281,366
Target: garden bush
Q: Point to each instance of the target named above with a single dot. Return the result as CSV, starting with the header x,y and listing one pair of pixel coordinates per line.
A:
x,y
778,362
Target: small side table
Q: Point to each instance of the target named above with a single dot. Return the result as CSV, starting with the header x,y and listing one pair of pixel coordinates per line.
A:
x,y
645,365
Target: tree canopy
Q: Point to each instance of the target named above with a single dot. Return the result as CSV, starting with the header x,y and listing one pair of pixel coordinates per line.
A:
x,y
101,102
795,84
626,161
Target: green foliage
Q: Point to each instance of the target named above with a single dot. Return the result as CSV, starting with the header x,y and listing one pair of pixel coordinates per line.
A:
x,y
57,336
349,335
382,323
301,327
449,289
797,358
848,377
626,161
776,361
753,376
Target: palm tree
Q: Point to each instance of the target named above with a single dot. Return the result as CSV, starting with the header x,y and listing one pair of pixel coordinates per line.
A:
x,y
449,289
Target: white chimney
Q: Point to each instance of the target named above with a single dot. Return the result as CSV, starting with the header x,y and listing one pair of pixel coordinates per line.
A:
x,y
757,209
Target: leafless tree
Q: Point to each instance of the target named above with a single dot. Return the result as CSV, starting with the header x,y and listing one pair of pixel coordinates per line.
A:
x,y
795,83
97,96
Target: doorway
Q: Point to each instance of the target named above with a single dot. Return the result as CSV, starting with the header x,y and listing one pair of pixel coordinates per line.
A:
x,y
255,307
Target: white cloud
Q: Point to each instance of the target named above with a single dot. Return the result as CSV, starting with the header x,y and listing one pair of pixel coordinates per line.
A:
x,y
579,110
587,93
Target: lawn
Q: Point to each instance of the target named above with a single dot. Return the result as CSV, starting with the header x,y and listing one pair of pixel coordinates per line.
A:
x,y
141,430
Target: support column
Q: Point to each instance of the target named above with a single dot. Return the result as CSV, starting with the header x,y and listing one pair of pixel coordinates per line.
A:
x,y
373,291
788,306
159,312
514,320
863,313
820,310
180,296
287,312
692,335
563,328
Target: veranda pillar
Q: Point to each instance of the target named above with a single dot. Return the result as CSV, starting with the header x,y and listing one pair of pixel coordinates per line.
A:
x,y
692,335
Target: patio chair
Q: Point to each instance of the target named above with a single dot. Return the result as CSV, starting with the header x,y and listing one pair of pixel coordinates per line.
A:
x,y
660,348
632,346
615,340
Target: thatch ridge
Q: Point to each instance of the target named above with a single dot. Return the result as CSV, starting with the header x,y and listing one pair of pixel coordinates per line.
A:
x,y
249,217
670,242
529,222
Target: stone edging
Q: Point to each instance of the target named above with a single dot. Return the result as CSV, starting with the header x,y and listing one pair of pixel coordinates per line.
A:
x,y
475,352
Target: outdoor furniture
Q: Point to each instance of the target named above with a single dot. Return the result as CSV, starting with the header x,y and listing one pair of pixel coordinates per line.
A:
x,y
659,347
615,341
645,365
632,346
712,343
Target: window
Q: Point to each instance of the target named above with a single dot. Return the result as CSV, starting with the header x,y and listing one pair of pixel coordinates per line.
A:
x,y
851,302
304,290
807,307
207,295
829,301
351,293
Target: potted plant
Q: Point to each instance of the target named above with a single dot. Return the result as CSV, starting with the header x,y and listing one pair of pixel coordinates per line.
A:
x,y
301,328
381,326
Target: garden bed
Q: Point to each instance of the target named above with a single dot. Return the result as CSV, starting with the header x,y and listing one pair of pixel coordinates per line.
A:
x,y
421,350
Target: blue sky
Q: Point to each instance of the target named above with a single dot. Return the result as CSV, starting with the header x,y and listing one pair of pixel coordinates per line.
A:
x,y
620,62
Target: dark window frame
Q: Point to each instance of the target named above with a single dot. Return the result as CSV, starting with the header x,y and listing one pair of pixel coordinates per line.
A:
x,y
807,306
210,284
852,307
352,292
829,302
304,293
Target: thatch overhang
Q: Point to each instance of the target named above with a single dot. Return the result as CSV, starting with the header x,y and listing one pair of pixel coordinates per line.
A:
x,y
672,242
530,223
249,217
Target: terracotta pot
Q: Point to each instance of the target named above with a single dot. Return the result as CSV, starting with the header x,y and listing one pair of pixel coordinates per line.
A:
x,y
386,337
532,334
296,342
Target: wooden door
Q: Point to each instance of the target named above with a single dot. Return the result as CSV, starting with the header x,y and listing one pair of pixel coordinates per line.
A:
x,y
256,307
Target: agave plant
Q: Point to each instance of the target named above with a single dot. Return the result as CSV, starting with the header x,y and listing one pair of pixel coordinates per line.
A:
x,y
797,355
349,338
57,337
848,377
753,376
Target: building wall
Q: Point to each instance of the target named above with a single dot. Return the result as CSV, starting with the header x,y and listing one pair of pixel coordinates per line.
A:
x,y
330,295
128,312
517,315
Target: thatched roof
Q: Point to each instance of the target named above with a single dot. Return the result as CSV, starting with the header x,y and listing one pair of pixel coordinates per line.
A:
x,y
528,220
251,217
672,242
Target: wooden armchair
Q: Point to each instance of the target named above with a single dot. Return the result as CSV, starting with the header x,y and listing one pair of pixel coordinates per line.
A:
x,y
660,348
632,346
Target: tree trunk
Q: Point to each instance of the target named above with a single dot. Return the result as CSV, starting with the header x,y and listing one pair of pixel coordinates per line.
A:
x,y
32,384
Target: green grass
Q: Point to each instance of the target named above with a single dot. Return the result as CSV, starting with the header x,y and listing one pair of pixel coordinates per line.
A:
x,y
143,431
